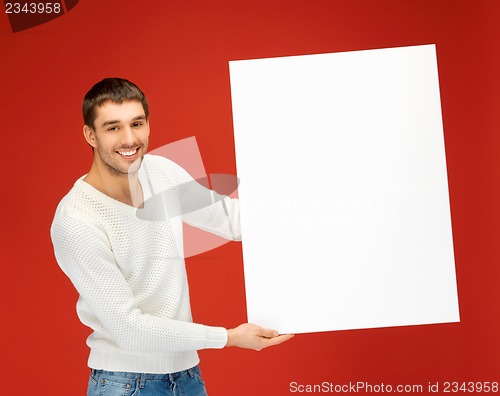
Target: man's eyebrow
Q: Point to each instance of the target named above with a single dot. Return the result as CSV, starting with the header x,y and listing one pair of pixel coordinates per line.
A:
x,y
106,123
110,122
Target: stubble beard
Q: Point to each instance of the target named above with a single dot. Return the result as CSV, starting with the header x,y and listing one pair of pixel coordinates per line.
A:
x,y
115,168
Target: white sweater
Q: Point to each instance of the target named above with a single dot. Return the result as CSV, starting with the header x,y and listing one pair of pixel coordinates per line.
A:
x,y
128,267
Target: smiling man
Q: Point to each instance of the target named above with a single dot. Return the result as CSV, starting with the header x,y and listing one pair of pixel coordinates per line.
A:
x,y
118,236
119,136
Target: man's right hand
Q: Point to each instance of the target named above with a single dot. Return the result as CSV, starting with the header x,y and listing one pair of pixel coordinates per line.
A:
x,y
251,336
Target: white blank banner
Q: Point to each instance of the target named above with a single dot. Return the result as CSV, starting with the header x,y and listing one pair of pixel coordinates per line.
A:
x,y
344,195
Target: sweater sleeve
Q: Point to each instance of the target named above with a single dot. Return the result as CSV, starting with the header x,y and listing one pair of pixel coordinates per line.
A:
x,y
204,208
84,254
220,215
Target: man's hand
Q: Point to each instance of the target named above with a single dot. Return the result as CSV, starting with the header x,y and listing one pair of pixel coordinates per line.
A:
x,y
254,337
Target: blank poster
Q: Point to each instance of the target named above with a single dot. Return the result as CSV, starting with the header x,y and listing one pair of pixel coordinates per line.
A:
x,y
344,195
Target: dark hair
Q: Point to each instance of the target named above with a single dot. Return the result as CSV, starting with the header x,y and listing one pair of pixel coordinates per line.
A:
x,y
116,90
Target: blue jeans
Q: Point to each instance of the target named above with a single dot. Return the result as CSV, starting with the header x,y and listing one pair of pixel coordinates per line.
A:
x,y
183,383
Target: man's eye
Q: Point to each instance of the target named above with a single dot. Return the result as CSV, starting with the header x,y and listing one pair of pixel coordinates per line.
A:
x,y
137,124
114,128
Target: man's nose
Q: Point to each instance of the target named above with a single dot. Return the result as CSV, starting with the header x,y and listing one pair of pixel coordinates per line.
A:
x,y
128,136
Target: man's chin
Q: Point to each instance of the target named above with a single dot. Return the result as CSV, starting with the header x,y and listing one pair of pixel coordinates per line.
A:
x,y
135,166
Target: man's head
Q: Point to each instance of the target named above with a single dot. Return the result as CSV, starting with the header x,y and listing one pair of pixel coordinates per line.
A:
x,y
116,113
115,90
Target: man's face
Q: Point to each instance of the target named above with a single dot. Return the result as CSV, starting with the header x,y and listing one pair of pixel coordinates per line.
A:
x,y
120,136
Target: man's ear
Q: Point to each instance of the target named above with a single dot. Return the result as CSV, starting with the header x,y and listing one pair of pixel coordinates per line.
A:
x,y
89,135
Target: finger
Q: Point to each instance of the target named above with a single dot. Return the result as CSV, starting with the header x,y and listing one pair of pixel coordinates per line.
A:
x,y
268,333
277,340
283,337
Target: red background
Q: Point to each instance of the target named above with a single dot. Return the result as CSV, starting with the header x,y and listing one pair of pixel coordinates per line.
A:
x,y
178,53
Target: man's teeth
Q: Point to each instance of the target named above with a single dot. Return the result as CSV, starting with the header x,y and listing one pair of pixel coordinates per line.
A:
x,y
127,153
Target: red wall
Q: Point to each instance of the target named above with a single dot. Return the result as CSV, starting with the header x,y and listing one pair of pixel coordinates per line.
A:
x,y
178,52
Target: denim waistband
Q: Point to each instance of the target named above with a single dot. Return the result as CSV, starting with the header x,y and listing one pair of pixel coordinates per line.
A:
x,y
143,376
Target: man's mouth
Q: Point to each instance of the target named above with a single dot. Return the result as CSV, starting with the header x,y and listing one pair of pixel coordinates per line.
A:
x,y
130,153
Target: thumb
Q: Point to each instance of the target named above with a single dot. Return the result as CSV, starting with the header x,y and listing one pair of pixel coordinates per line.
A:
x,y
268,333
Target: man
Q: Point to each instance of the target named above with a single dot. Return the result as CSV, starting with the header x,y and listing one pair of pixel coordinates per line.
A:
x,y
118,236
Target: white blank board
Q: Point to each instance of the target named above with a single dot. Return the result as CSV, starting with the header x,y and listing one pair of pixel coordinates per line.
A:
x,y
344,196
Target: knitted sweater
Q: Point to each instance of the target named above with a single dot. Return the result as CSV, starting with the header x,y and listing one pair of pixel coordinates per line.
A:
x,y
127,265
